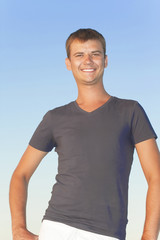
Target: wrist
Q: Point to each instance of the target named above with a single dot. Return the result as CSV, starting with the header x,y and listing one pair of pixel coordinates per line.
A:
x,y
23,233
18,229
148,236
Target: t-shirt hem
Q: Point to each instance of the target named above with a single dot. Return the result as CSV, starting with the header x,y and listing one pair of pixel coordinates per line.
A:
x,y
39,148
146,138
85,227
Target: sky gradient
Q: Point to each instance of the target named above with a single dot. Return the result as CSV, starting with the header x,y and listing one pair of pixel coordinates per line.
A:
x,y
34,79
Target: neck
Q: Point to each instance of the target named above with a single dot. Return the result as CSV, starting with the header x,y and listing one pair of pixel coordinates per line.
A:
x,y
91,94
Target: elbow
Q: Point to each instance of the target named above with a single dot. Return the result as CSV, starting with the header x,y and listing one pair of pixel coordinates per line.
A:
x,y
154,181
18,177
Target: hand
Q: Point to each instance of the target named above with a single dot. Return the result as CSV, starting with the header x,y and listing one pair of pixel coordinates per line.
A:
x,y
24,234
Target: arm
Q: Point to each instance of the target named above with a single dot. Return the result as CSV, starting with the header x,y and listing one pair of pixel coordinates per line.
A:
x,y
149,157
18,192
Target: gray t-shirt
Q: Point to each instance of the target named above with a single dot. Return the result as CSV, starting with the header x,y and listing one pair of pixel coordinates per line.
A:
x,y
95,154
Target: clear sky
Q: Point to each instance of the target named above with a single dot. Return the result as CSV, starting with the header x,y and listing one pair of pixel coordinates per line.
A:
x,y
34,79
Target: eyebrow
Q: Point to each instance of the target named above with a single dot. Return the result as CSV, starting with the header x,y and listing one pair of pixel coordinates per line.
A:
x,y
78,53
96,51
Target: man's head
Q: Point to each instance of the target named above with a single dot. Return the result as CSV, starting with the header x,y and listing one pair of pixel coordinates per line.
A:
x,y
86,56
84,35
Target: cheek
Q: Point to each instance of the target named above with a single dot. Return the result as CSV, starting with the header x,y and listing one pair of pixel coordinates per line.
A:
x,y
101,63
76,65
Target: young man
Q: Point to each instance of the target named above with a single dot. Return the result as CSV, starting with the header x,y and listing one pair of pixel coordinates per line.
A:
x,y
95,137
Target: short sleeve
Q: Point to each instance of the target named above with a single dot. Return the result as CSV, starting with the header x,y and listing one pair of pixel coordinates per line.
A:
x,y
141,127
42,138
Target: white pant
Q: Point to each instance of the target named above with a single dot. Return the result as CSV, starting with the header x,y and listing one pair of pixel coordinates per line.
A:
x,y
51,230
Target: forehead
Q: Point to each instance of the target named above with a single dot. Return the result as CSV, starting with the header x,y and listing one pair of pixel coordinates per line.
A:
x,y
87,46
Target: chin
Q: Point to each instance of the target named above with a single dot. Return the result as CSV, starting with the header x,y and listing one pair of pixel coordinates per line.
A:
x,y
89,82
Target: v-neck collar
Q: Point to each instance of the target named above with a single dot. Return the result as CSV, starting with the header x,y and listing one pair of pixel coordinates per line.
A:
x,y
95,110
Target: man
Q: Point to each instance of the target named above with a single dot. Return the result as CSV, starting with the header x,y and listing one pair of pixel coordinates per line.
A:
x,y
94,137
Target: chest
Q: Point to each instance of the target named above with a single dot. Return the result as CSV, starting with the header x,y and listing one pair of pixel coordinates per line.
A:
x,y
92,132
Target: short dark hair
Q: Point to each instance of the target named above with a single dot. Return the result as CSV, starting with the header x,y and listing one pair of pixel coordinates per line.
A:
x,y
84,34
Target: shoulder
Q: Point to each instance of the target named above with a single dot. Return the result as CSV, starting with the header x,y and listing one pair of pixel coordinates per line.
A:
x,y
128,108
122,104
57,111
125,102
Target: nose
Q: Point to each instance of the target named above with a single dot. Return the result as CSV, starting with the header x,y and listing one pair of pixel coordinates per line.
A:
x,y
88,59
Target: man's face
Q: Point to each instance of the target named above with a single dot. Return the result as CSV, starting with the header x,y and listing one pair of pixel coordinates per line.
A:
x,y
87,61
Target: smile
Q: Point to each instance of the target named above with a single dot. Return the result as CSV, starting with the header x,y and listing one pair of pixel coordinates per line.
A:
x,y
88,70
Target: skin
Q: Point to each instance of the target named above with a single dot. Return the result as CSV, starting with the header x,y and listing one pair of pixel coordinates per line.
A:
x,y
18,192
89,56
149,157
87,63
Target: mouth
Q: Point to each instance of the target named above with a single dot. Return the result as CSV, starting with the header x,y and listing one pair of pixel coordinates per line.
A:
x,y
88,70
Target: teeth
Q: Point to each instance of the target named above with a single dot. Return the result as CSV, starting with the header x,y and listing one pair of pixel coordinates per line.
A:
x,y
88,70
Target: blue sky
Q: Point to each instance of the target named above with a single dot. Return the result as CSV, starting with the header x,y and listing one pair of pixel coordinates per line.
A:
x,y
34,79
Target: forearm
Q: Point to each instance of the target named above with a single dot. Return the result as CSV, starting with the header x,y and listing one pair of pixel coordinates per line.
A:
x,y
18,199
18,192
152,221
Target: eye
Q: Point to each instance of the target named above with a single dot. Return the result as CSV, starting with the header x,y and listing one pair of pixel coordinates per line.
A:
x,y
79,55
96,54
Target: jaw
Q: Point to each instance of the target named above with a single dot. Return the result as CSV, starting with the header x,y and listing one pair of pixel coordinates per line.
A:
x,y
88,75
88,78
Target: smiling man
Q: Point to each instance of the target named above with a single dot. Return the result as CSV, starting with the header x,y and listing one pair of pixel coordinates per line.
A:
x,y
94,137
87,62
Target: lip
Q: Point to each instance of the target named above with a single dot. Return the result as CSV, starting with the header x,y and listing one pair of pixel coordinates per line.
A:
x,y
88,70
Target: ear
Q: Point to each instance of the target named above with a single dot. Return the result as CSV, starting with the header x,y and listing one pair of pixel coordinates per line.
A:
x,y
68,64
105,61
